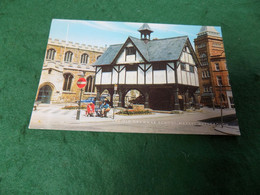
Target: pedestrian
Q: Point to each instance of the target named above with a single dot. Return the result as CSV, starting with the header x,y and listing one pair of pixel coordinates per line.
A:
x,y
90,109
105,108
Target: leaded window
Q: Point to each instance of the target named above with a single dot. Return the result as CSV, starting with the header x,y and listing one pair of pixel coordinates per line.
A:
x,y
84,58
68,56
50,54
90,85
67,81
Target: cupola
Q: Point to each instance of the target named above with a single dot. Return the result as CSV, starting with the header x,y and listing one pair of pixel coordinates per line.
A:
x,y
145,31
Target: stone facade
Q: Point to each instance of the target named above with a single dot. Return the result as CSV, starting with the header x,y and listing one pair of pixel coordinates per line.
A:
x,y
63,65
213,73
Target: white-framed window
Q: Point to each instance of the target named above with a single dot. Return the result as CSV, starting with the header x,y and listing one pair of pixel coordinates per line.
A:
x,y
217,66
219,81
50,54
68,56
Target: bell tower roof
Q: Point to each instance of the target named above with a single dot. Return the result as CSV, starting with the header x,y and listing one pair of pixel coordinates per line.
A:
x,y
145,27
208,30
145,31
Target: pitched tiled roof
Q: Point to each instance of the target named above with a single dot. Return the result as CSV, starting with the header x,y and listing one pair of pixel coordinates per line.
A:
x,y
168,49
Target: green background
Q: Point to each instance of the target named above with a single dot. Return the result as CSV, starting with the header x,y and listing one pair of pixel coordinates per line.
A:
x,y
66,162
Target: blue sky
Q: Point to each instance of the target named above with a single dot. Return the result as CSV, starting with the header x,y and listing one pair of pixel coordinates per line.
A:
x,y
102,33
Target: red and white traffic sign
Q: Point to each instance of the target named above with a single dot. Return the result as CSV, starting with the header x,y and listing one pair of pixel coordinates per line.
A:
x,y
81,82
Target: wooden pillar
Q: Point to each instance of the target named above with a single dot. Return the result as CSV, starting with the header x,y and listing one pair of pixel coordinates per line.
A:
x,y
176,91
187,102
176,99
146,98
120,93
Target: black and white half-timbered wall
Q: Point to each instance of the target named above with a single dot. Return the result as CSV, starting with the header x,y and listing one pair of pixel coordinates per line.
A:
x,y
163,70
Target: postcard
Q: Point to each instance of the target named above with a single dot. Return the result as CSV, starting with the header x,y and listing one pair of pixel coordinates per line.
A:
x,y
135,78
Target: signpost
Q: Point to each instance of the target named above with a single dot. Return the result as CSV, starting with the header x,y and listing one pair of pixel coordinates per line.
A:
x,y
80,83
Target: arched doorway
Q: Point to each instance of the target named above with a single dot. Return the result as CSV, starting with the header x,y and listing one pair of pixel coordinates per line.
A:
x,y
133,96
44,95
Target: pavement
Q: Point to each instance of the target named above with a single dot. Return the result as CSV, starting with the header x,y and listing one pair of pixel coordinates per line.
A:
x,y
54,117
230,128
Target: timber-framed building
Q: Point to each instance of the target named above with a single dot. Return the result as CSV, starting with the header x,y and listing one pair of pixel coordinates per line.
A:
x,y
163,70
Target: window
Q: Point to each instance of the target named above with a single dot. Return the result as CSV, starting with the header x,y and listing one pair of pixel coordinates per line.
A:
x,y
183,66
203,55
107,69
191,68
49,71
68,56
204,63
67,81
205,89
217,66
208,74
203,74
84,58
159,66
131,68
90,84
226,66
98,57
202,45
216,44
130,51
228,81
219,81
50,54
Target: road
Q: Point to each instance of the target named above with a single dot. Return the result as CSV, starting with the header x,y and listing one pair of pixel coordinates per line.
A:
x,y
54,117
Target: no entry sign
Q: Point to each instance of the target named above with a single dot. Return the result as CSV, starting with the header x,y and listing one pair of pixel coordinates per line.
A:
x,y
81,83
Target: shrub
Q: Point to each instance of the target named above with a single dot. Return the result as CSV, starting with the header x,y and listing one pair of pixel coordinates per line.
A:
x,y
133,112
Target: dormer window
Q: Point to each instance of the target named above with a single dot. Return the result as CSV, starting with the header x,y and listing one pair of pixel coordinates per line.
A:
x,y
130,51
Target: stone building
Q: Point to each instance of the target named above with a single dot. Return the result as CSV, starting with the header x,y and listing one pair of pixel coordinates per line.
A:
x,y
213,73
164,71
63,65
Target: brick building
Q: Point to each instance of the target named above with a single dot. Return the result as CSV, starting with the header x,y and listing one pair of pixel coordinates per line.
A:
x,y
63,65
213,72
